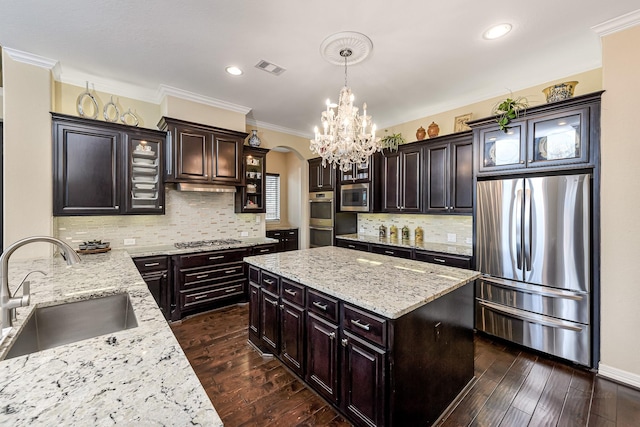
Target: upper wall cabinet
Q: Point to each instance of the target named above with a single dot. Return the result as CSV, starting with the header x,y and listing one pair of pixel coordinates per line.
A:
x,y
402,182
321,178
555,136
202,154
251,198
97,170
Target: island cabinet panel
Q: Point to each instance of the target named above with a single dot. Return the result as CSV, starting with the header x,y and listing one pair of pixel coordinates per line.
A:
x,y
292,336
322,357
269,320
254,315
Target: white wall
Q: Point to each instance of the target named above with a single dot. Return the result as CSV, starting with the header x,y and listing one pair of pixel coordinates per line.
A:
x,y
620,358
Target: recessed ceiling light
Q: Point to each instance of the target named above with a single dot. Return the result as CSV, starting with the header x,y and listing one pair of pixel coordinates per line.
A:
x,y
234,71
497,31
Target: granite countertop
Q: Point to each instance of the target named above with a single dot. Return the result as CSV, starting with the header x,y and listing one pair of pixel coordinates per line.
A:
x,y
279,226
385,285
141,251
140,378
446,248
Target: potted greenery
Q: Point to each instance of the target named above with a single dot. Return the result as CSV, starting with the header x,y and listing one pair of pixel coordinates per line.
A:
x,y
509,109
392,141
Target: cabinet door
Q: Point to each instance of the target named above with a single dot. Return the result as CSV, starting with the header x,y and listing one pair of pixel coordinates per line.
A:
x,y
269,320
315,180
327,177
192,154
499,150
461,175
391,194
437,157
363,381
561,138
144,189
292,336
290,242
322,357
254,313
86,170
250,198
226,159
411,180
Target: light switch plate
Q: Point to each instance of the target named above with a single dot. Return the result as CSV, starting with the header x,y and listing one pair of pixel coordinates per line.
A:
x,y
244,233
451,237
129,242
257,219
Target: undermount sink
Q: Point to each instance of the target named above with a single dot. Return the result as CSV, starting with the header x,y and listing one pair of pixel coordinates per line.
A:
x,y
57,325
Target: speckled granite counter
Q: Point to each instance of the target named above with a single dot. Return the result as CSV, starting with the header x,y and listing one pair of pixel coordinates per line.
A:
x,y
385,285
427,246
143,378
140,251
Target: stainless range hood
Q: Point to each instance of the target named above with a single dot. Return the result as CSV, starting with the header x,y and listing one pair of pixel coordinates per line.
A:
x,y
207,188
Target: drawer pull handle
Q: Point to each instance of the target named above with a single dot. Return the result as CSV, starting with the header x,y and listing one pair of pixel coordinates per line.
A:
x,y
281,306
291,233
268,281
345,342
152,264
332,336
228,291
201,296
351,246
389,252
264,250
439,260
320,305
356,322
273,303
202,276
290,292
230,271
216,257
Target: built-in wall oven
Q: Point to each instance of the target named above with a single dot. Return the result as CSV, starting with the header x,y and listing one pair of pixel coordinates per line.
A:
x,y
321,211
354,197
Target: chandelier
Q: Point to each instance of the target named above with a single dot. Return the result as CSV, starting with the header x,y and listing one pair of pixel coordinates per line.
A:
x,y
346,138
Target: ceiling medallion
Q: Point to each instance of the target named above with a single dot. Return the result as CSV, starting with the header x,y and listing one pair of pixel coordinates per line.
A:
x,y
347,138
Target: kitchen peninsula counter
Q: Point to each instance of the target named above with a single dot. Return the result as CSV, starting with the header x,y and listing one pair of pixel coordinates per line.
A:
x,y
446,248
385,285
247,242
138,376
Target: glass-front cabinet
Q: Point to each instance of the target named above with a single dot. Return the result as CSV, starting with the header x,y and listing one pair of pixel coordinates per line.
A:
x,y
145,192
548,141
251,197
359,173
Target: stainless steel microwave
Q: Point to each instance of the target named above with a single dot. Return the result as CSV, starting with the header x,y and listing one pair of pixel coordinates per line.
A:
x,y
355,197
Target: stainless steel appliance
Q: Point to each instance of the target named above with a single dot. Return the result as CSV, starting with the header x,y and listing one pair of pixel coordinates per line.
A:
x,y
355,197
533,247
321,216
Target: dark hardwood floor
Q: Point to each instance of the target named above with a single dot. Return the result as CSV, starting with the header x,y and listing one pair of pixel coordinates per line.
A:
x,y
513,387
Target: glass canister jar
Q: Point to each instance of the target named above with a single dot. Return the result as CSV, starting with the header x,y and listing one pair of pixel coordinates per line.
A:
x,y
405,233
382,232
393,232
419,235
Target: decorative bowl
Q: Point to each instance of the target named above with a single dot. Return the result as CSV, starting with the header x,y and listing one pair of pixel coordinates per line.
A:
x,y
559,91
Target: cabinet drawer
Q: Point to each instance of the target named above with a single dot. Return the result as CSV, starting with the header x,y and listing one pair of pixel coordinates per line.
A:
x,y
442,259
350,244
269,282
190,300
264,249
197,278
293,292
275,234
152,263
210,258
323,305
364,324
392,251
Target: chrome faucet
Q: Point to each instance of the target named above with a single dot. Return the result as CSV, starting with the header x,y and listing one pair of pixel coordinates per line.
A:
x,y
7,302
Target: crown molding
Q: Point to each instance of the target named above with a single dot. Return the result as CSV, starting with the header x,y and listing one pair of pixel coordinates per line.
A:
x,y
32,59
75,77
276,128
620,23
165,90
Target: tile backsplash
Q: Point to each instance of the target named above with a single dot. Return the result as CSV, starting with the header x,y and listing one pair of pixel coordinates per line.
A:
x,y
437,228
188,216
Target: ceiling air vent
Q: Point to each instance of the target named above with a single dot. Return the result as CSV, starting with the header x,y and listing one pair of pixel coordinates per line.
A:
x,y
270,68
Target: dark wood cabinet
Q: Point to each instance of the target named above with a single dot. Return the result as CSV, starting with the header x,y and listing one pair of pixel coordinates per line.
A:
x,y
360,173
288,238
292,334
254,314
550,137
350,244
269,330
93,168
449,166
322,357
144,183
459,261
395,251
155,271
320,178
251,197
207,280
202,154
402,182
267,248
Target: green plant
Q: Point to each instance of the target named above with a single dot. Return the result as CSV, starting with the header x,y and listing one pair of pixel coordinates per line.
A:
x,y
509,109
392,141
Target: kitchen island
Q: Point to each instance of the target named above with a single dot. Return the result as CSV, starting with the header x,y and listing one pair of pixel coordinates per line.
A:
x,y
138,376
387,341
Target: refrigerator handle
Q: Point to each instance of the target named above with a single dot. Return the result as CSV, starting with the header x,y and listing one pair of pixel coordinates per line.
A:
x,y
518,209
527,229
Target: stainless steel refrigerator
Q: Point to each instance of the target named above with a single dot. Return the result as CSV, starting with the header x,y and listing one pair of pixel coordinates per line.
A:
x,y
533,239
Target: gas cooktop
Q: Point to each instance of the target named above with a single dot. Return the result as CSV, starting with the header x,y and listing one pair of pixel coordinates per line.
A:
x,y
203,243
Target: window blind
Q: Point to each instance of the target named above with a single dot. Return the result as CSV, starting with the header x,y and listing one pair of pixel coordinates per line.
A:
x,y
272,198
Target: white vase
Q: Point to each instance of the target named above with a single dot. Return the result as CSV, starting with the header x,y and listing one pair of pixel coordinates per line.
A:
x,y
254,141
